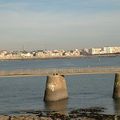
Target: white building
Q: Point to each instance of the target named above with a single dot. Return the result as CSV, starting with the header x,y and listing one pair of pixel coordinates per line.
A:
x,y
95,51
104,50
107,50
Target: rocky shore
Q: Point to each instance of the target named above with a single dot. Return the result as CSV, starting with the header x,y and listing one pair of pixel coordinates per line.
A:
x,y
78,114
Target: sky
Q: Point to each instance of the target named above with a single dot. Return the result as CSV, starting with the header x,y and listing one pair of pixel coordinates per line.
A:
x,y
59,24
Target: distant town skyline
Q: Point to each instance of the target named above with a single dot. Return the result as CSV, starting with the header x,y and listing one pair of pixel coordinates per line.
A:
x,y
59,24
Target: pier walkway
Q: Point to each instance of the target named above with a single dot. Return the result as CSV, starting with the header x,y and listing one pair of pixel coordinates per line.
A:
x,y
60,71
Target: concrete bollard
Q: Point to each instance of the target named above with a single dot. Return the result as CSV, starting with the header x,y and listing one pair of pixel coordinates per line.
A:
x,y
116,90
56,88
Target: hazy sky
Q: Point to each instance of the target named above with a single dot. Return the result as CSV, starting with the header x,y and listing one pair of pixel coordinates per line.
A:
x,y
59,24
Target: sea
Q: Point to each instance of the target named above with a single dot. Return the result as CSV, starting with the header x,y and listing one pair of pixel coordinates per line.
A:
x,y
19,95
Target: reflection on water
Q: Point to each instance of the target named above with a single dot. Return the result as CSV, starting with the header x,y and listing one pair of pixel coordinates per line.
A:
x,y
117,106
59,106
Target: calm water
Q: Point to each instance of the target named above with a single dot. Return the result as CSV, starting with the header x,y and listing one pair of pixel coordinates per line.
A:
x,y
18,95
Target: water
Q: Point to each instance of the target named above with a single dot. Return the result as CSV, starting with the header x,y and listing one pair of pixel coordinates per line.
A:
x,y
22,94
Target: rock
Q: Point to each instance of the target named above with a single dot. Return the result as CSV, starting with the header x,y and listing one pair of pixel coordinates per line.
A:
x,y
4,117
29,117
44,118
23,117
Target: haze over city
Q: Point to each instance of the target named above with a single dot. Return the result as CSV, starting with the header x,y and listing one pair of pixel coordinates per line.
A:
x,y
59,24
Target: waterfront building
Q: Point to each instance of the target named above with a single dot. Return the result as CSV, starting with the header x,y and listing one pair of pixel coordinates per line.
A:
x,y
95,51
104,50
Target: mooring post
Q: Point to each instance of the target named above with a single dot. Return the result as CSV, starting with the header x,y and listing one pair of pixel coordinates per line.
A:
x,y
116,90
56,88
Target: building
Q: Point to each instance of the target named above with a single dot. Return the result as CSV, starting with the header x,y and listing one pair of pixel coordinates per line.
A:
x,y
95,51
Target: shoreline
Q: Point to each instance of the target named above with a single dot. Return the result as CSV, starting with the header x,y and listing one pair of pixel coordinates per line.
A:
x,y
77,114
61,57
